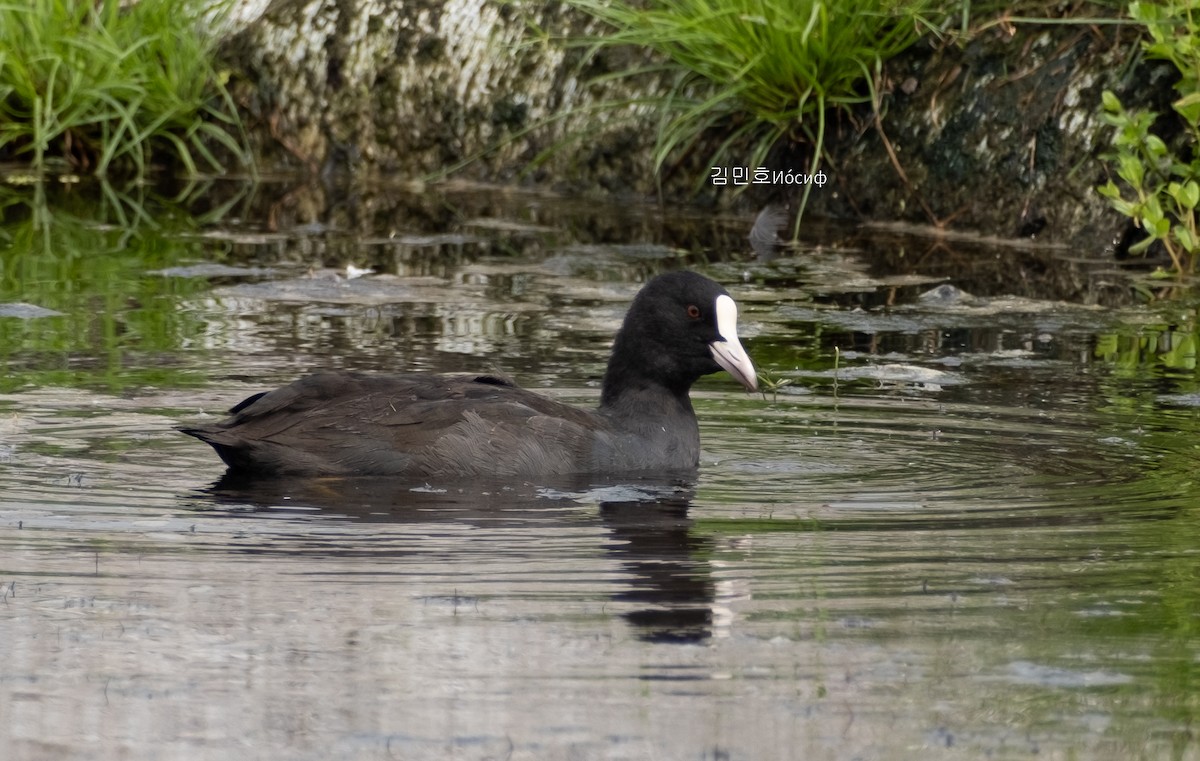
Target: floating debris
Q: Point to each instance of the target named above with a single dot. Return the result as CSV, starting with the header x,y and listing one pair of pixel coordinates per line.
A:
x,y
952,299
214,270
946,295
423,241
26,311
1024,672
507,225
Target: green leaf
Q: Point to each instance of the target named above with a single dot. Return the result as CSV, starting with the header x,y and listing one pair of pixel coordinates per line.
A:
x,y
1111,103
1144,13
1189,108
1185,238
1152,214
1129,209
1130,169
1109,190
1175,190
1141,246
1191,194
1159,49
1186,195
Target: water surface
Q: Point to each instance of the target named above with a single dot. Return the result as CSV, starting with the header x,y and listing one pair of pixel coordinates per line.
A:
x,y
960,527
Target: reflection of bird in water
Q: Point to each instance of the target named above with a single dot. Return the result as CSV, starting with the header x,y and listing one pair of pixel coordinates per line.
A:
x,y
672,577
667,592
764,234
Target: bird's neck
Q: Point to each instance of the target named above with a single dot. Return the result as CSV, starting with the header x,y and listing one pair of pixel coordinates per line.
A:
x,y
640,373
627,392
652,399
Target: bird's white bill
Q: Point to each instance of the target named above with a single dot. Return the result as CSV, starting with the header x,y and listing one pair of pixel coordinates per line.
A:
x,y
729,353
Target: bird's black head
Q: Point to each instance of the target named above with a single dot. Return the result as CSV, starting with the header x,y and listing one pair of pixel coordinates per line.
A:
x,y
680,326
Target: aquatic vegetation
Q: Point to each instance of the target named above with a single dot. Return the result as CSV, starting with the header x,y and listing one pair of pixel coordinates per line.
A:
x,y
1164,180
758,70
87,260
773,384
1171,348
104,86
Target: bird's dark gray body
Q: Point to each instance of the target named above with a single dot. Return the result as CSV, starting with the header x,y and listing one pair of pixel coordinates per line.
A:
x,y
680,326
436,426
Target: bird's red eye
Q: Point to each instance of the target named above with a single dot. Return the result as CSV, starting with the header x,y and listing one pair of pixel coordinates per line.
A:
x,y
693,311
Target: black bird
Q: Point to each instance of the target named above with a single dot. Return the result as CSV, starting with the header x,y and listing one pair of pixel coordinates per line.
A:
x,y
680,326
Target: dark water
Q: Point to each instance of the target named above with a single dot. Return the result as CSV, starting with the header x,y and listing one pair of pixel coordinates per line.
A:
x,y
966,526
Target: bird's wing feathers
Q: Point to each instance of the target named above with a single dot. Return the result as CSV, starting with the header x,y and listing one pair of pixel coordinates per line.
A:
x,y
413,424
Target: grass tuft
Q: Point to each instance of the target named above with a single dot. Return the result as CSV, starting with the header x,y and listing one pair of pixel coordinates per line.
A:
x,y
759,70
91,86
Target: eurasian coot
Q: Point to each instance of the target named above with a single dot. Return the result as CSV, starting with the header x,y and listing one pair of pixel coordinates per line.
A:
x,y
680,326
